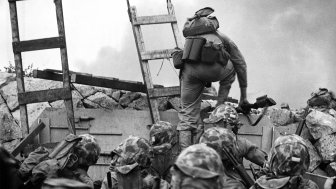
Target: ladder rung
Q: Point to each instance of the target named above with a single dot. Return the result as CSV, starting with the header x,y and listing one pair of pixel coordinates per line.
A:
x,y
163,92
44,96
157,19
156,54
39,44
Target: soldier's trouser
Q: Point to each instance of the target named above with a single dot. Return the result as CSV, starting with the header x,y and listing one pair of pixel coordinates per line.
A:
x,y
191,91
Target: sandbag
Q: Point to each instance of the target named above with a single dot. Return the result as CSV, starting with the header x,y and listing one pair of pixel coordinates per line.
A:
x,y
326,146
320,124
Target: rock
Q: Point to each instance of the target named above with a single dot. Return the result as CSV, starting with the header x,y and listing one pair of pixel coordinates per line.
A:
x,y
76,101
326,146
9,129
100,100
163,103
3,105
140,104
127,98
84,91
5,78
33,111
116,95
320,124
282,117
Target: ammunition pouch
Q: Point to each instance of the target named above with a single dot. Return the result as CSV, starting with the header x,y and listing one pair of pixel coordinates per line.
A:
x,y
193,49
198,49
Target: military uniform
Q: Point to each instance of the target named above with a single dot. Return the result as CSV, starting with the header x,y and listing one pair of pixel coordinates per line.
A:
x,y
164,140
131,162
216,137
198,166
194,77
71,163
289,160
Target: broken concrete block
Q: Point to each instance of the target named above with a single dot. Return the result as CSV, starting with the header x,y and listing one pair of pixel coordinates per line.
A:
x,y
9,129
326,146
127,98
320,124
100,100
281,117
139,104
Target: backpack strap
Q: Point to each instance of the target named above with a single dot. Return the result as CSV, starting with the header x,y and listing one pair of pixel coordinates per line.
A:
x,y
226,45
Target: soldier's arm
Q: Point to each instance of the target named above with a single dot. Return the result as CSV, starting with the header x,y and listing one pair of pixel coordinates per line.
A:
x,y
251,152
237,60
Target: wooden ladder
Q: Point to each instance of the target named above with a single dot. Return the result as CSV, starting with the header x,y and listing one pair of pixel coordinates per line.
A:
x,y
145,56
30,97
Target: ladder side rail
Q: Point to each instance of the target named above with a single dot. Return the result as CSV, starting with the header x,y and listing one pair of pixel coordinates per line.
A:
x,y
65,68
174,26
18,67
153,105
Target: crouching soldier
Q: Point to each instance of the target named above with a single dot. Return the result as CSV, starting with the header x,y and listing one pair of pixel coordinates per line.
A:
x,y
224,116
288,162
70,159
164,140
198,167
130,166
220,138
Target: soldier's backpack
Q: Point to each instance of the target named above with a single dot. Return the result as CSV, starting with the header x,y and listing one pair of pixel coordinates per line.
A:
x,y
41,154
197,47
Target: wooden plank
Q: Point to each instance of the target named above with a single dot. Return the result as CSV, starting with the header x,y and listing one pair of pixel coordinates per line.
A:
x,y
44,135
44,96
318,179
163,92
177,36
157,19
140,44
156,54
86,79
18,67
38,44
28,139
65,67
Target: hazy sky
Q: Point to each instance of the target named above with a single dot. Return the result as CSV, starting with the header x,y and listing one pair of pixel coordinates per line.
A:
x,y
289,45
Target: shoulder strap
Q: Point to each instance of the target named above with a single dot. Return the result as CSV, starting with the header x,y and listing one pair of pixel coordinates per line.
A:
x,y
226,45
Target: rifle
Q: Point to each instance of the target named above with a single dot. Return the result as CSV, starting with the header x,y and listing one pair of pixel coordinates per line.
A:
x,y
303,121
261,102
240,168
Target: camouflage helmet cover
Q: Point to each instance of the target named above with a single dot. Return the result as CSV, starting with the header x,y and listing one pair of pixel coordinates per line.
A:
x,y
223,112
200,161
162,132
133,151
217,137
289,156
90,144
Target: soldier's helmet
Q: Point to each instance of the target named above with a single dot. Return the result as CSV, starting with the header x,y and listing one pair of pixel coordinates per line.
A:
x,y
289,156
218,137
200,161
223,112
162,136
133,150
90,145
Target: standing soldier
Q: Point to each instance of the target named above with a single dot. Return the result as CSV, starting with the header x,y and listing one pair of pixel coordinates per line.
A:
x,y
205,58
198,167
219,138
289,161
